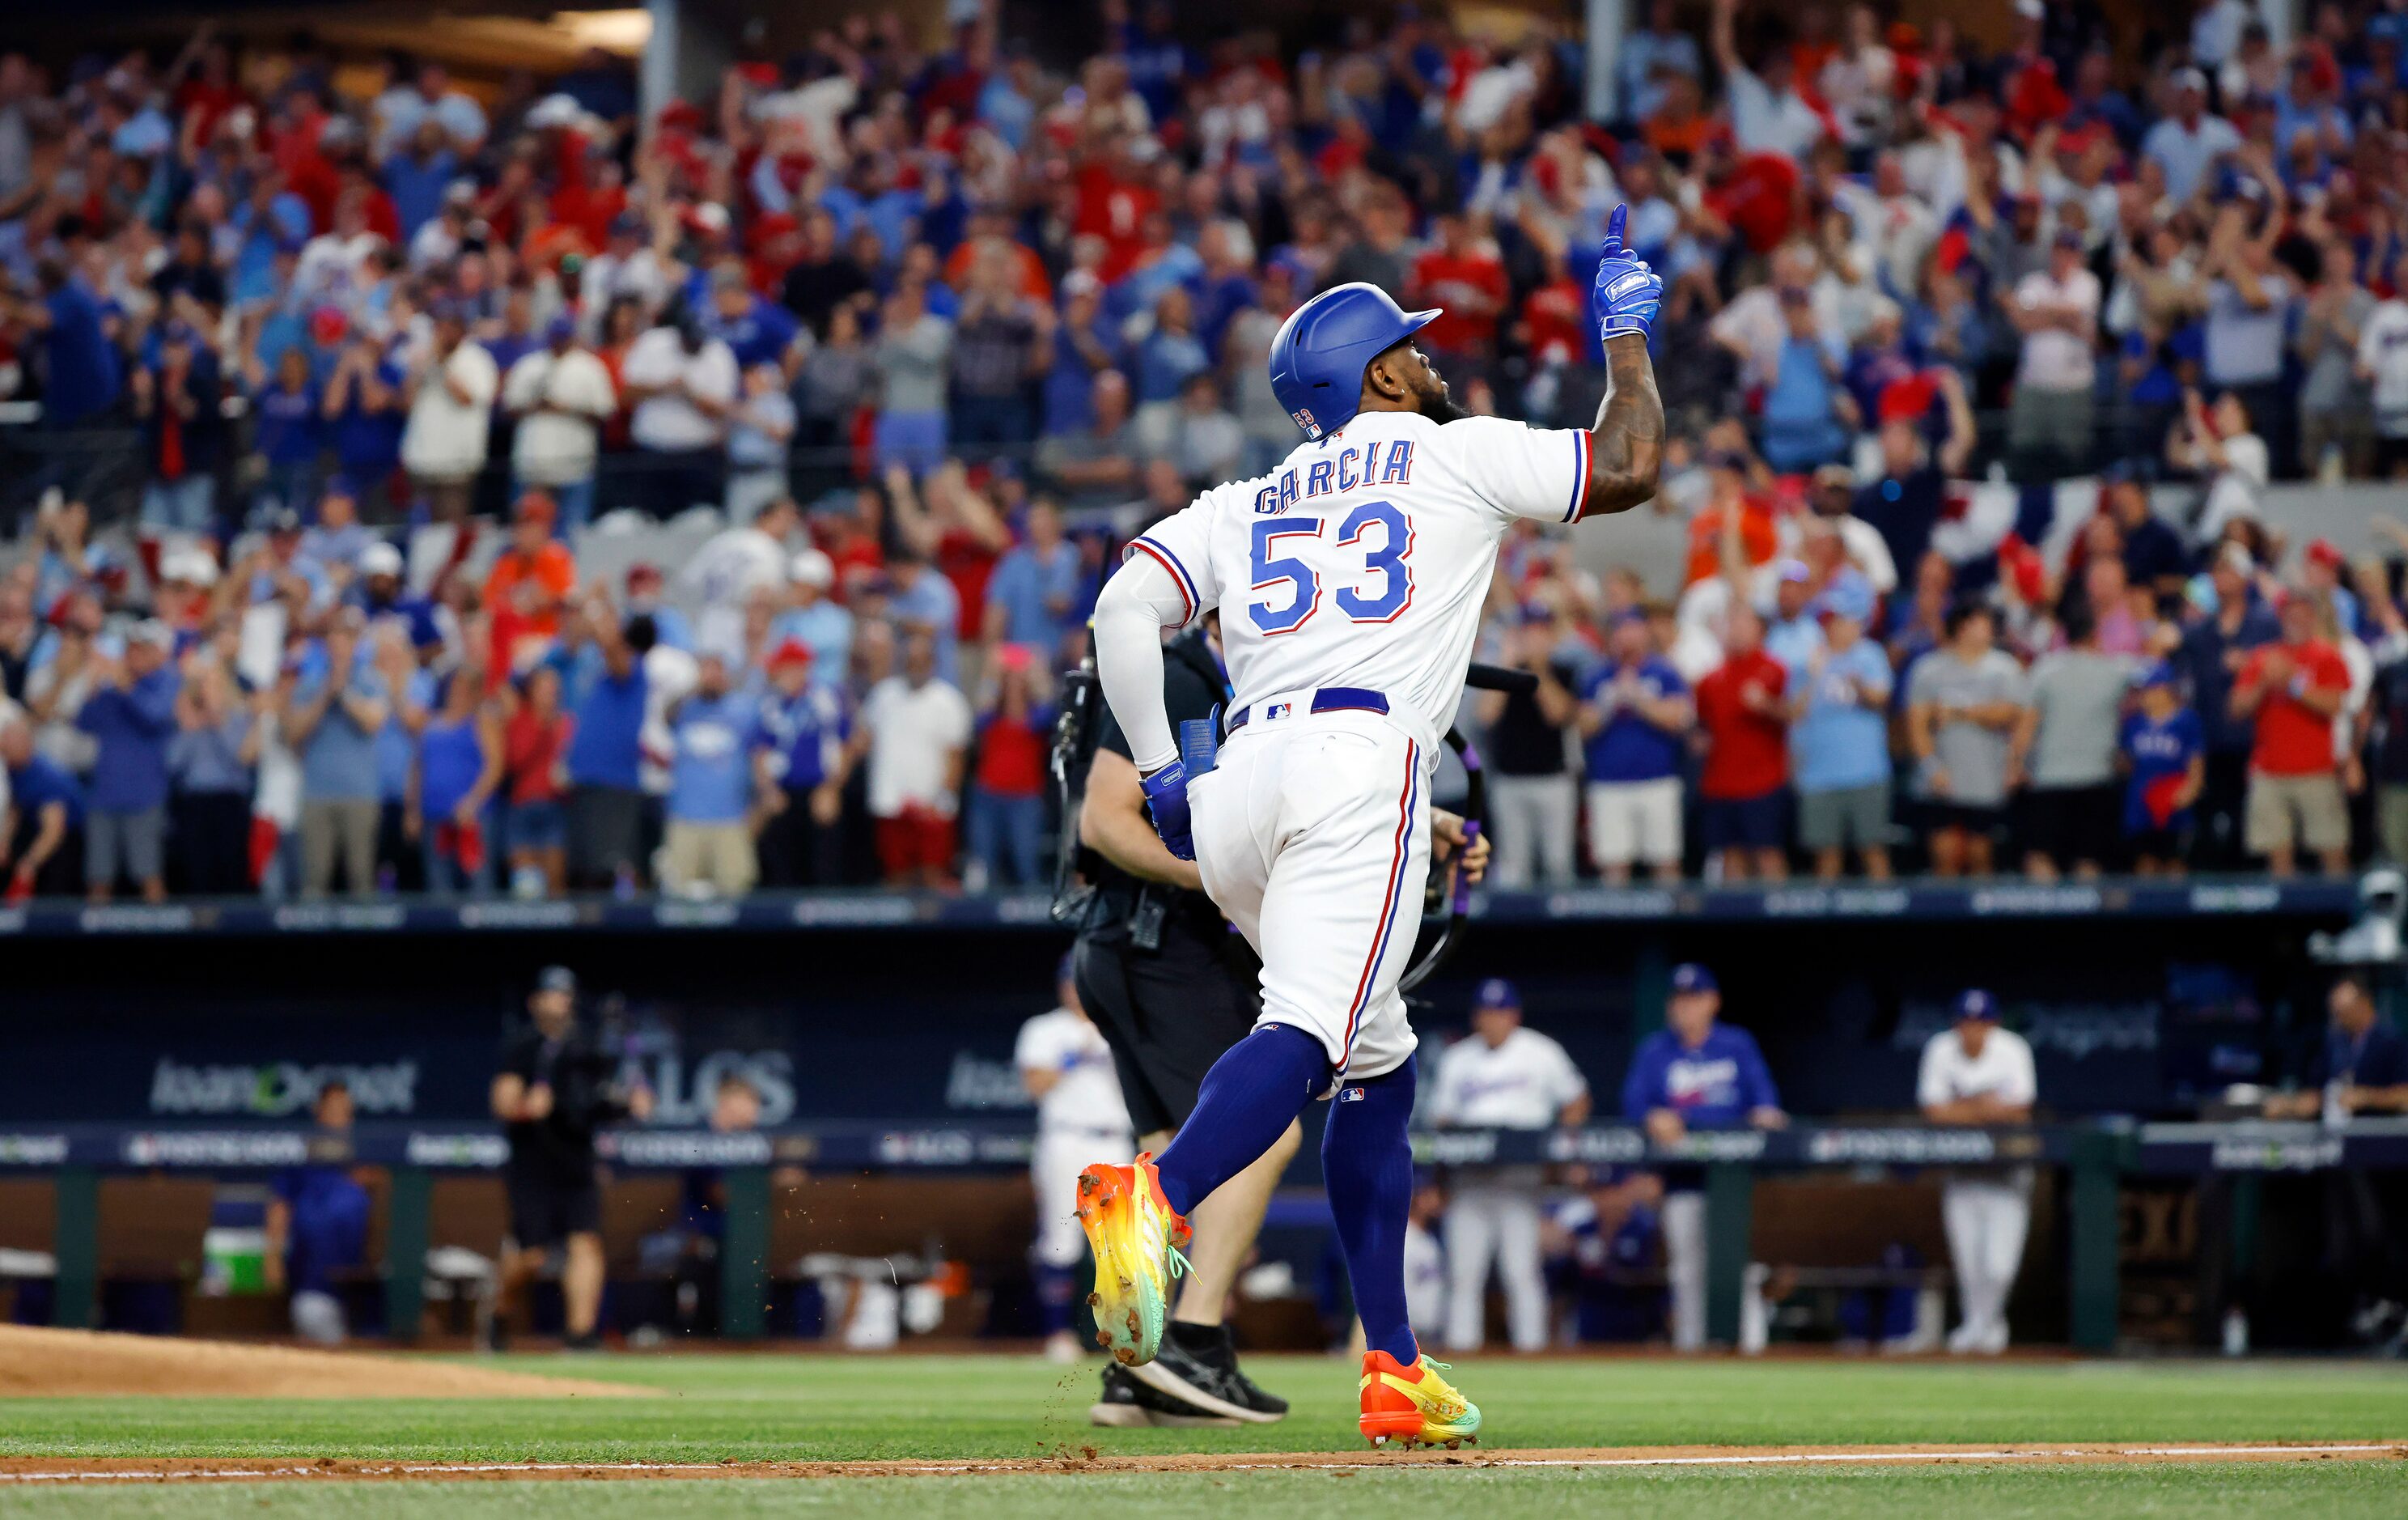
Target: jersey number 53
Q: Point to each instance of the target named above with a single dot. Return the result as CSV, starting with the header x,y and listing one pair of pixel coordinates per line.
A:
x,y
1378,590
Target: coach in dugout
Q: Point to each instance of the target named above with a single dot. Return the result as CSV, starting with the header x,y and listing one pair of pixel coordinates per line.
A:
x,y
554,1091
2361,1071
1696,1073
1977,1073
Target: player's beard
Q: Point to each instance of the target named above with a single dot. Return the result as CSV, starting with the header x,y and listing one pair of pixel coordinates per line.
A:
x,y
1438,406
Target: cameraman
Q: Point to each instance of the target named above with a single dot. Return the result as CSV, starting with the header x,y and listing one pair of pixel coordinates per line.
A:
x,y
554,1091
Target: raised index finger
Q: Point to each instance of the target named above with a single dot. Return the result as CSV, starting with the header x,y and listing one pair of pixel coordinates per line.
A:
x,y
1613,225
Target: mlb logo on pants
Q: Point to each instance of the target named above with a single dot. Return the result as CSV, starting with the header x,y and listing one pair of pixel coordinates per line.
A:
x,y
1278,709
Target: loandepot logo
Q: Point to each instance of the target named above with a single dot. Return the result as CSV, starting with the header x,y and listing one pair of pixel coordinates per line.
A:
x,y
279,1088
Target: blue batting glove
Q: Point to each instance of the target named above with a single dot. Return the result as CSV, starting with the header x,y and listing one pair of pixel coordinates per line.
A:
x,y
1166,798
1627,292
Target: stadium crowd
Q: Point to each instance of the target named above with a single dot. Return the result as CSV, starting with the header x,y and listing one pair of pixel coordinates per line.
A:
x,y
894,345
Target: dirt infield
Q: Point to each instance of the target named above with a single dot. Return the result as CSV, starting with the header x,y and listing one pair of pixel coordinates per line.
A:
x,y
42,1363
1084,1459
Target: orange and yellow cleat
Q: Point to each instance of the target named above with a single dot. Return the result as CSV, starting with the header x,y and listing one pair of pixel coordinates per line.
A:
x,y
1414,1405
1136,1242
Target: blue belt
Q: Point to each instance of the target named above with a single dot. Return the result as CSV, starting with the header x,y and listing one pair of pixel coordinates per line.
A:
x,y
1327,699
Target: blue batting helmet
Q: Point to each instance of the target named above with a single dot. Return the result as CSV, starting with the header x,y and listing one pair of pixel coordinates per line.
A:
x,y
1321,350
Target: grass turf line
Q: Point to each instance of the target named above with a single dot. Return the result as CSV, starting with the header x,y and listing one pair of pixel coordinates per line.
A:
x,y
2264,1491
809,1408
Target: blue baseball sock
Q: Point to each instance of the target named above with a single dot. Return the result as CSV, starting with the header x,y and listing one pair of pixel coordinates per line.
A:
x,y
1367,1161
1256,1086
1056,1287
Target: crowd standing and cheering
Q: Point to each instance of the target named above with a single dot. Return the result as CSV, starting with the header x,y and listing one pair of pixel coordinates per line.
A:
x,y
501,488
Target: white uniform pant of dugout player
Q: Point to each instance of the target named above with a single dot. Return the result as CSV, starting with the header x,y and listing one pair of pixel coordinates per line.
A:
x,y
1312,835
1685,1275
1987,1219
1495,1219
1053,1171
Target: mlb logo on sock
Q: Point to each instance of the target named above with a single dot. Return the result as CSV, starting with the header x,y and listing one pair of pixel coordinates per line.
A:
x,y
1350,1095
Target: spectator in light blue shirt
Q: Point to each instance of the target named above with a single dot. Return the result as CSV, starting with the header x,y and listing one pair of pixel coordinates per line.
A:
x,y
1035,585
332,719
918,595
1661,45
706,847
814,620
1838,743
2189,142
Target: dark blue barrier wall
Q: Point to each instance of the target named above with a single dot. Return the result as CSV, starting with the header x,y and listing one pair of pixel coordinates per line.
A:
x,y
893,1009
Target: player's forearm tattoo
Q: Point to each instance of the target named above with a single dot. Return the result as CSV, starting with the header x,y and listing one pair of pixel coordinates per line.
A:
x,y
1627,447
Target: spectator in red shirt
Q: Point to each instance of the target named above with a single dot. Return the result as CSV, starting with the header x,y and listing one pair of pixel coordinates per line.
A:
x,y
1461,273
2294,691
1745,817
535,771
1007,803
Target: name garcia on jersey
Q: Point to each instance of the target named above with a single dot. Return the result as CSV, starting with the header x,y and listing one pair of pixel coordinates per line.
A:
x,y
1351,467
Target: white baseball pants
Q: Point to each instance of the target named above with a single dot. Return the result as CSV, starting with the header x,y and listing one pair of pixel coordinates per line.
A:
x,y
1053,1172
1487,1222
1986,1223
1312,835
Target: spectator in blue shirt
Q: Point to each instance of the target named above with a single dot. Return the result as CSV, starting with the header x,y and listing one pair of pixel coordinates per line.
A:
x,y
1807,411
209,793
1695,1073
131,716
2362,1067
291,430
605,761
800,760
418,175
331,719
2162,750
41,848
1030,596
1172,351
364,412
1838,743
82,375
2227,621
755,330
1084,346
1635,715
707,845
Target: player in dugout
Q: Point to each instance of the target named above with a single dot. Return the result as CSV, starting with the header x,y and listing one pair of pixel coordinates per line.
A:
x,y
1350,583
554,1091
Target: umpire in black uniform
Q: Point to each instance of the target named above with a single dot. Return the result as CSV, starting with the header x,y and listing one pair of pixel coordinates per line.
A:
x,y
1171,987
555,1089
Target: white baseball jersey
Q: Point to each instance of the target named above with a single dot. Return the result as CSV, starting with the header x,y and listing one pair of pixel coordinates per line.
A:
x,y
2003,1070
1363,561
1523,1083
1088,1096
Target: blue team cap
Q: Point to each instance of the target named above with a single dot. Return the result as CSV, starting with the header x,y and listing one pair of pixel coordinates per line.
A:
x,y
1496,992
1689,977
1973,1003
2155,673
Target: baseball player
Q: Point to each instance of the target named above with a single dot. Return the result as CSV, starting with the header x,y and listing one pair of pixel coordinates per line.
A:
x,y
1504,1077
1350,581
1977,1073
1696,1073
1068,1070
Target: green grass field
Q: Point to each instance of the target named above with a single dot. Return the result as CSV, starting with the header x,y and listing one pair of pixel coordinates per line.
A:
x,y
769,1407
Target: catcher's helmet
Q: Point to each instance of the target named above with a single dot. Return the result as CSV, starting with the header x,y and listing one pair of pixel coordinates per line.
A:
x,y
1321,350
